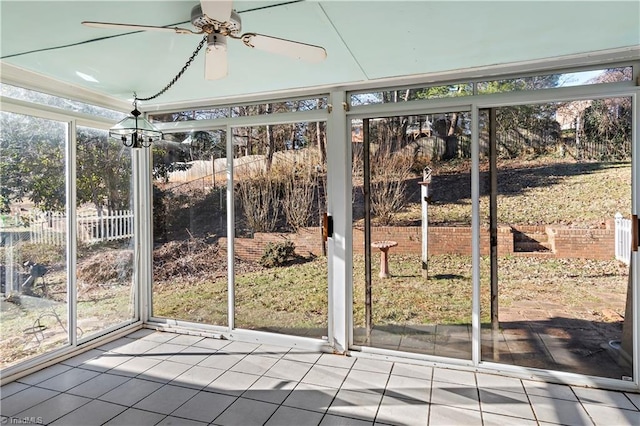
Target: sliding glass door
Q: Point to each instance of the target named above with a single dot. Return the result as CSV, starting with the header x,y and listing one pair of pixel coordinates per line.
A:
x,y
280,255
412,283
555,280
556,200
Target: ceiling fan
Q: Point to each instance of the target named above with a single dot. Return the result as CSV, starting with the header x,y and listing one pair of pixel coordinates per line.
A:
x,y
218,21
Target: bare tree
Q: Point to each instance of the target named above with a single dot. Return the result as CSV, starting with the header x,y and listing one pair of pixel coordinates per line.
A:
x,y
297,200
259,198
390,171
322,146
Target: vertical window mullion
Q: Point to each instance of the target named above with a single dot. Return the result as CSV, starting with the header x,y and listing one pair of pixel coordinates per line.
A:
x,y
231,217
635,210
475,234
72,245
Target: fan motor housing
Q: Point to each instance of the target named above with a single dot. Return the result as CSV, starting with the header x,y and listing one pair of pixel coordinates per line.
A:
x,y
199,20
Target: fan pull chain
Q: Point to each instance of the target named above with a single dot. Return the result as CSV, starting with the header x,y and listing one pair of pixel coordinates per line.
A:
x,y
177,77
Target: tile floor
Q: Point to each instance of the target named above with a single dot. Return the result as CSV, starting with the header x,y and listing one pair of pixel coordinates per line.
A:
x,y
159,378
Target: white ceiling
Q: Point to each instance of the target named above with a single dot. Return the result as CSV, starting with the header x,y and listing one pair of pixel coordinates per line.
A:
x,y
365,40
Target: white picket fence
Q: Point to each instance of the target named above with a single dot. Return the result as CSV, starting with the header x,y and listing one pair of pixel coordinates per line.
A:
x,y
51,228
623,238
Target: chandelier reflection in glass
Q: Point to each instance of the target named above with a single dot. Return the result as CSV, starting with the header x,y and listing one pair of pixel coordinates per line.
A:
x,y
135,131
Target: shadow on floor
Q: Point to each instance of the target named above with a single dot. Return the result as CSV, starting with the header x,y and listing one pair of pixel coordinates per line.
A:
x,y
558,343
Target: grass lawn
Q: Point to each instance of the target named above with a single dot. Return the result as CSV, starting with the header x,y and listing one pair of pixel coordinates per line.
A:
x,y
97,310
296,296
29,324
535,192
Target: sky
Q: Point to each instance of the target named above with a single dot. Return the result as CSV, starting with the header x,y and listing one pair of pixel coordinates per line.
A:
x,y
577,78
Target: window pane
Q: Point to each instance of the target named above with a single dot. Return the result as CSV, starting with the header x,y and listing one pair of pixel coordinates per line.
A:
x,y
406,95
292,105
55,101
105,232
556,80
33,228
190,228
281,265
279,107
190,115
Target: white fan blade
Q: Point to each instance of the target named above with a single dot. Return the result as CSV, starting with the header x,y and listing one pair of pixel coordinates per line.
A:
x,y
220,10
294,49
137,27
215,66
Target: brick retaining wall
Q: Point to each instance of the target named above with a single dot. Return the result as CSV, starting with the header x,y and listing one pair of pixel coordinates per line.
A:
x,y
583,243
564,243
442,239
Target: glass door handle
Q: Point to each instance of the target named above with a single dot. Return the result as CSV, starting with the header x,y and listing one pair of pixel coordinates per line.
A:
x,y
635,232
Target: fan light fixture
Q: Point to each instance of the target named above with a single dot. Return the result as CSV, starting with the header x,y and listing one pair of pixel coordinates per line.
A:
x,y
135,131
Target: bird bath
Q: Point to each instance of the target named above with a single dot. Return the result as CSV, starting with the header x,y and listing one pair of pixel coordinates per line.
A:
x,y
384,247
